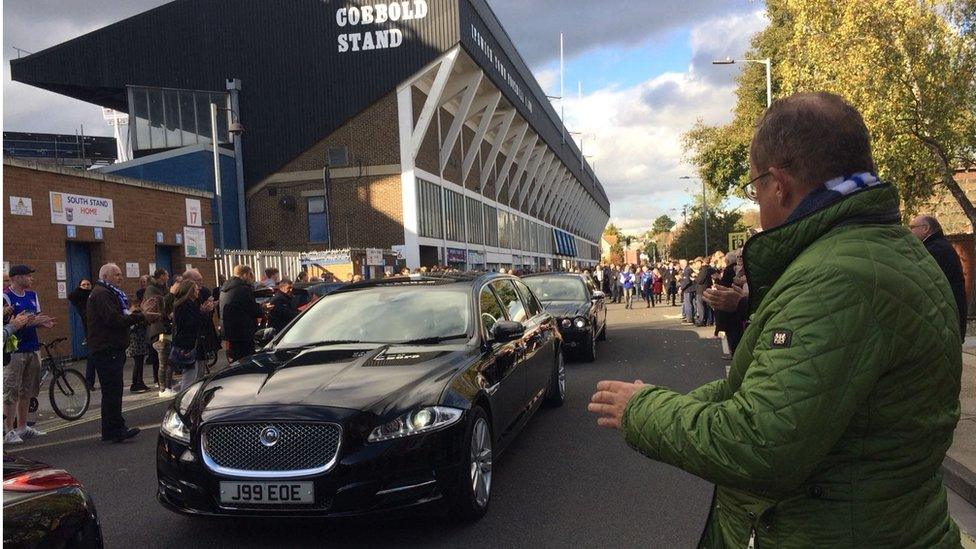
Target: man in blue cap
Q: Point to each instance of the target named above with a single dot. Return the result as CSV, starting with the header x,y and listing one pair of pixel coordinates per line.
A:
x,y
21,377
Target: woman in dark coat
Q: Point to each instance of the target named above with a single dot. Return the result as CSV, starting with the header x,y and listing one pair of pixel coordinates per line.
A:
x,y
79,300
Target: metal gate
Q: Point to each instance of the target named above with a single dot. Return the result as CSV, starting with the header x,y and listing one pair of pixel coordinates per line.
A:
x,y
259,260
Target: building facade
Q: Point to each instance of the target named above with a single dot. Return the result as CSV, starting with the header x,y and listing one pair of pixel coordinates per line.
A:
x,y
410,126
66,223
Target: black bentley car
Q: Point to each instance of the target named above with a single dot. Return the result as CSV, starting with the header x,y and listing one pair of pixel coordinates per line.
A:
x,y
383,395
579,308
46,507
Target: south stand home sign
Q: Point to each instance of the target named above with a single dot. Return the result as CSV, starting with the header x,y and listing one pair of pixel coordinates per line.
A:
x,y
387,14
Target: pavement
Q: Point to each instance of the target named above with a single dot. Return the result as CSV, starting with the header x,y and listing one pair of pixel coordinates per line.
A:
x,y
46,420
959,468
563,481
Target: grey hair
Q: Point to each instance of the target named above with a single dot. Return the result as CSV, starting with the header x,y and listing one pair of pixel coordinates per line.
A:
x,y
106,269
932,222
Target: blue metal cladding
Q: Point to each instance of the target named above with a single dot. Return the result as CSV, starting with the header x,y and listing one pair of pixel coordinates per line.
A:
x,y
194,170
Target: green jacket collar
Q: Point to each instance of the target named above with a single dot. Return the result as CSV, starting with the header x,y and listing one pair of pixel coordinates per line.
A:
x,y
769,253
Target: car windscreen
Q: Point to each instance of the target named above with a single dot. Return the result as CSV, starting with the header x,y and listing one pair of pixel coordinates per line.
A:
x,y
384,314
557,288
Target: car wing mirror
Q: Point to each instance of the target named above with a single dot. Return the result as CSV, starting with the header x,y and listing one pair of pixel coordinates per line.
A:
x,y
597,294
506,330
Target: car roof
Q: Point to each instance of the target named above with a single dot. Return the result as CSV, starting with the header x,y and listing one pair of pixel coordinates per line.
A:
x,y
554,273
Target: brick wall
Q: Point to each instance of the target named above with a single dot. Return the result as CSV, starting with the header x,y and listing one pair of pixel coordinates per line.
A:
x,y
371,137
369,208
139,211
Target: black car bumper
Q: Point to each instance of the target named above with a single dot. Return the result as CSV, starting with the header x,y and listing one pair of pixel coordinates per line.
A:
x,y
573,337
367,479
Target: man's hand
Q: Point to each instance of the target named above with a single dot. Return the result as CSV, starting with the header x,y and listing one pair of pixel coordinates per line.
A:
x,y
43,321
723,298
21,320
610,401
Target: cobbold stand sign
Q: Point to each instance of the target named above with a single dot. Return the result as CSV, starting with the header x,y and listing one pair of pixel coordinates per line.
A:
x,y
376,14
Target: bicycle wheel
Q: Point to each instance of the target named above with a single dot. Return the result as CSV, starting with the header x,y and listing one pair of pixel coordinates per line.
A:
x,y
69,394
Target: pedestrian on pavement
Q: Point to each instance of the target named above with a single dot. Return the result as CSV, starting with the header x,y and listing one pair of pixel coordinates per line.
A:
x,y
647,286
628,282
79,300
703,281
929,231
687,288
283,308
607,280
21,377
616,289
239,314
159,332
670,281
139,345
598,276
109,319
657,285
190,318
843,395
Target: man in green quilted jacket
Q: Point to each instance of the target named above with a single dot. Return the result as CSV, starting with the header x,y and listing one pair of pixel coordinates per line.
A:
x,y
844,392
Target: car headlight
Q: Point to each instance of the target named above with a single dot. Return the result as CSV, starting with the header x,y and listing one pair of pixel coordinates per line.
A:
x,y
580,322
566,323
174,428
416,422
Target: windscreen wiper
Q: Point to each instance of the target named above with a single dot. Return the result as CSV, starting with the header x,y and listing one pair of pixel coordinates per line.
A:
x,y
431,340
322,343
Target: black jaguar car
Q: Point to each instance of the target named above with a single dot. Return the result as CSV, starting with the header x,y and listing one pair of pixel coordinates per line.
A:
x,y
383,395
46,507
579,308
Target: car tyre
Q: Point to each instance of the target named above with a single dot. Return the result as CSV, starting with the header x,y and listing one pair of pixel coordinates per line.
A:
x,y
473,492
556,393
588,348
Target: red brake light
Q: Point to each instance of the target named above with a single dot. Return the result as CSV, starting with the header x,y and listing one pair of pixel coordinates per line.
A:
x,y
40,480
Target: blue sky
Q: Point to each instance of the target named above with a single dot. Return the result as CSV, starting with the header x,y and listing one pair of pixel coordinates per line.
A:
x,y
645,68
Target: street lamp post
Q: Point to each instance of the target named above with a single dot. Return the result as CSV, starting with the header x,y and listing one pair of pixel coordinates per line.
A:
x,y
769,76
217,193
704,210
234,128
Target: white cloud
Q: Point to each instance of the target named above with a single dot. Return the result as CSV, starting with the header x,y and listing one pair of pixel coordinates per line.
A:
x,y
634,133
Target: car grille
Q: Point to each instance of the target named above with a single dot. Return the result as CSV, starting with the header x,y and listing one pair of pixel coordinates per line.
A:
x,y
301,447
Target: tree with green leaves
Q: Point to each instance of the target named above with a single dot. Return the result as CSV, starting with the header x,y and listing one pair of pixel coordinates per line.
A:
x,y
909,67
689,241
662,224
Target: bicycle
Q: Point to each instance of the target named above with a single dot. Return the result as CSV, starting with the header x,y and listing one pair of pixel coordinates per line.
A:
x,y
69,392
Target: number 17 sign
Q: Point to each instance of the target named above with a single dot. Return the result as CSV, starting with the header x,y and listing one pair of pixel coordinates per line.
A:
x,y
194,214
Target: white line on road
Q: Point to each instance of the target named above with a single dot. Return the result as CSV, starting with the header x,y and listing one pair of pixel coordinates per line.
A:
x,y
96,436
59,425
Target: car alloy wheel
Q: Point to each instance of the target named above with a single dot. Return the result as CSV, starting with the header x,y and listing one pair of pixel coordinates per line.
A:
x,y
481,462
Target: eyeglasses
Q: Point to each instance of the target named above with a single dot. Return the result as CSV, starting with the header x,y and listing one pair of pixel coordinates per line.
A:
x,y
750,188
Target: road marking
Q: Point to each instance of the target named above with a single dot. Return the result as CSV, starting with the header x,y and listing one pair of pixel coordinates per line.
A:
x,y
96,436
62,424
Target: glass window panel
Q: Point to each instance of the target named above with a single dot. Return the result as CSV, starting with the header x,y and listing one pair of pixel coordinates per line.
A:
x,y
203,117
491,311
157,134
171,112
140,111
188,120
510,300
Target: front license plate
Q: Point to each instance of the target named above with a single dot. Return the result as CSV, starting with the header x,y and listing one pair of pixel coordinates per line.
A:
x,y
267,492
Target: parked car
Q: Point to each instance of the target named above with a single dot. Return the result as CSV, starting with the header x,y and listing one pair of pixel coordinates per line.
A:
x,y
46,507
578,306
383,395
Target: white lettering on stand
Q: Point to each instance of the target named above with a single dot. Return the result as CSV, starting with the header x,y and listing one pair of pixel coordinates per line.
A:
x,y
353,16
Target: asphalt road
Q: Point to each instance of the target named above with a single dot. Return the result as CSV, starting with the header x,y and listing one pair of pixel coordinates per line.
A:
x,y
564,481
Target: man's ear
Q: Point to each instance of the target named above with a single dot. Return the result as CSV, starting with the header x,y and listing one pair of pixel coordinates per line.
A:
x,y
783,187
